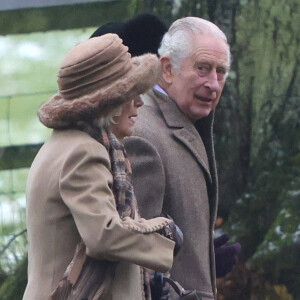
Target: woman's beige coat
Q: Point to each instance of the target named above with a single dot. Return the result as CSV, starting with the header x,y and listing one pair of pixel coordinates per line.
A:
x,y
68,198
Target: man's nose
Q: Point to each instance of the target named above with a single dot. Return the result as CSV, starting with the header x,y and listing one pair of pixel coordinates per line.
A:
x,y
138,102
212,81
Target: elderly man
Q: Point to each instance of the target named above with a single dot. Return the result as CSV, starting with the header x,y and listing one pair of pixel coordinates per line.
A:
x,y
172,154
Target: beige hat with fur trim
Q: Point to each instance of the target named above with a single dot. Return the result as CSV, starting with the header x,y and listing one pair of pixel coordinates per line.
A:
x,y
95,77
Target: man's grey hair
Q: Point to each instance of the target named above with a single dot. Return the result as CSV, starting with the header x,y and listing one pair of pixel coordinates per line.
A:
x,y
176,43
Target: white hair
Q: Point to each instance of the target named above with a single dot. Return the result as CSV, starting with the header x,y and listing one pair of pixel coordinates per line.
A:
x,y
176,43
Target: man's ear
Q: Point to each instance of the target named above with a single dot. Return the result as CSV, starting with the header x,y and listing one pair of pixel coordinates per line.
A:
x,y
167,72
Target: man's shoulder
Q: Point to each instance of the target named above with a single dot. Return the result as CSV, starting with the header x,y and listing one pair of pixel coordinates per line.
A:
x,y
150,113
150,121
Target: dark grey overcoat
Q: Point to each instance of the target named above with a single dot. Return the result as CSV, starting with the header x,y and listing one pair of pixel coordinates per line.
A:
x,y
174,172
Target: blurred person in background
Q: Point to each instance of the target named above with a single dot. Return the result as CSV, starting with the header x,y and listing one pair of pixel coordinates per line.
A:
x,y
141,34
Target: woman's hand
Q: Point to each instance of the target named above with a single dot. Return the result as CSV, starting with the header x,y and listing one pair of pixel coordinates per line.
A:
x,y
172,232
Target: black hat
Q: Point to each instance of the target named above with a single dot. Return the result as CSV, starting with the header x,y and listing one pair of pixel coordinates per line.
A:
x,y
141,34
111,27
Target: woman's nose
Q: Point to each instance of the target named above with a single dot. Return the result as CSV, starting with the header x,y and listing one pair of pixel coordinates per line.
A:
x,y
138,102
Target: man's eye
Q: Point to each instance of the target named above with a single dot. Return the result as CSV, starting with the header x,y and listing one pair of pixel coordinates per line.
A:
x,y
202,67
203,70
221,71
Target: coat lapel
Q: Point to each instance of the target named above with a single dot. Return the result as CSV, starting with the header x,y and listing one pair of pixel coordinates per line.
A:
x,y
195,145
183,130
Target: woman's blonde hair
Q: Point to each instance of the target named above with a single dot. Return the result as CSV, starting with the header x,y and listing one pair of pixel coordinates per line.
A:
x,y
107,120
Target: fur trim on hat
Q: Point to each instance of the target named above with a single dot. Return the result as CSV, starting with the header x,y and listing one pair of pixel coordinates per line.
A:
x,y
59,113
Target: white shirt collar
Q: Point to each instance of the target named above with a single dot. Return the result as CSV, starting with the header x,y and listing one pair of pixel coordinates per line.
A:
x,y
158,88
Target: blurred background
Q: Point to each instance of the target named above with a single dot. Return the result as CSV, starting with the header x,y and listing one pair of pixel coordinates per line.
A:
x,y
257,126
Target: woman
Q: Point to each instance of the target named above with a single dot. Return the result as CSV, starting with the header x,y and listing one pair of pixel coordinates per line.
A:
x,y
79,190
122,125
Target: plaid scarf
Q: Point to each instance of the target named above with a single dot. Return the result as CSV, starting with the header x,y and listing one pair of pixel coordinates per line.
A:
x,y
121,171
87,278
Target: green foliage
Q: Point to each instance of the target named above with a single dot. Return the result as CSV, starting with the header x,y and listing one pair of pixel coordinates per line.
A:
x,y
196,8
267,223
268,44
14,286
13,250
278,254
259,153
64,16
134,7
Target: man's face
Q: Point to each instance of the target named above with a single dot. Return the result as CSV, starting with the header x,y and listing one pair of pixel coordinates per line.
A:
x,y
197,85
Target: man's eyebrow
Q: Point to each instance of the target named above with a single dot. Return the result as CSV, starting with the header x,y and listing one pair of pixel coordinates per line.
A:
x,y
225,67
205,61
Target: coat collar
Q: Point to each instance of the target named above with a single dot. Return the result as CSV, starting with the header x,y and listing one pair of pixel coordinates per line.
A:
x,y
183,129
171,113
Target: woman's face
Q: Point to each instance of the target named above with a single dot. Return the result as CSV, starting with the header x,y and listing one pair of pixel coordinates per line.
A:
x,y
125,122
